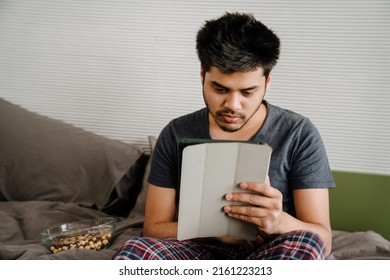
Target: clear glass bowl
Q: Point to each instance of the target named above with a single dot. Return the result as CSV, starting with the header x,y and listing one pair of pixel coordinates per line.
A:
x,y
94,234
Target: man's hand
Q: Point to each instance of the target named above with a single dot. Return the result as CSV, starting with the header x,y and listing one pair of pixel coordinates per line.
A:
x,y
264,206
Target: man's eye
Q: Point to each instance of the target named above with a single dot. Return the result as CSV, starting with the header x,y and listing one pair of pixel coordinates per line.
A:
x,y
220,90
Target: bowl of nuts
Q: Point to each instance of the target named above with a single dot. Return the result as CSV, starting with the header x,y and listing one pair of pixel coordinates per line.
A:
x,y
94,234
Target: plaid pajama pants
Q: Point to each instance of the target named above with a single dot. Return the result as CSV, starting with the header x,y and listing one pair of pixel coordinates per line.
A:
x,y
295,245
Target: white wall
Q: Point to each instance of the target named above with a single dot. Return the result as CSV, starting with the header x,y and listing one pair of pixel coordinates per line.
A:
x,y
123,69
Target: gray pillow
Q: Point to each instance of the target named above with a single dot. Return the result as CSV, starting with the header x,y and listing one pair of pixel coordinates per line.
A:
x,y
359,245
139,207
50,160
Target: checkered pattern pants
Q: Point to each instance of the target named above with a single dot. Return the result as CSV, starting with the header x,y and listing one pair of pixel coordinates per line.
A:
x,y
295,245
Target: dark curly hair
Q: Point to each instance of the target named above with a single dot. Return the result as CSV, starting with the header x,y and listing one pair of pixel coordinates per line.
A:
x,y
237,42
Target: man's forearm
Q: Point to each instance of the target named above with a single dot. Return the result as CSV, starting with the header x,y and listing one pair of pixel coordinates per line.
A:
x,y
290,223
161,230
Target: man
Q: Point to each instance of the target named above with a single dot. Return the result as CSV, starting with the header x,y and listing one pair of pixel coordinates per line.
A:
x,y
291,211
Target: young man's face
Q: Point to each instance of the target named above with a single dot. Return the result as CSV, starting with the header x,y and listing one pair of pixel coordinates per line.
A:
x,y
233,99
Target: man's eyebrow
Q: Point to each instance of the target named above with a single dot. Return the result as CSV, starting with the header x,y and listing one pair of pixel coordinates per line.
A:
x,y
250,88
226,88
218,85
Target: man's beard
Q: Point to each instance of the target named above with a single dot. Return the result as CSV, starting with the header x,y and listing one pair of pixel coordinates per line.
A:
x,y
221,113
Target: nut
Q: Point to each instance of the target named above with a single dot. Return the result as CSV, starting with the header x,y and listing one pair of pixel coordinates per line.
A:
x,y
95,240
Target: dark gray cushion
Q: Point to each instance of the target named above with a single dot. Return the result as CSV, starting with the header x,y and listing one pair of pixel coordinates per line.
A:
x,y
50,160
139,207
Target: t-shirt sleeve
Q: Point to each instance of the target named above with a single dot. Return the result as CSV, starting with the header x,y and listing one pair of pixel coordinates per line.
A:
x,y
310,167
164,166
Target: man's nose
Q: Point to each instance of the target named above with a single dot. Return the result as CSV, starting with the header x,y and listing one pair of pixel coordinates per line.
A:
x,y
233,101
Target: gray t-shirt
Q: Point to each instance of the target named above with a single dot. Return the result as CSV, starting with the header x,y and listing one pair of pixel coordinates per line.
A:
x,y
298,159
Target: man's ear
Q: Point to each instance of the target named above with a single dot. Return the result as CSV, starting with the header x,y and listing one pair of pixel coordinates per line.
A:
x,y
268,81
202,73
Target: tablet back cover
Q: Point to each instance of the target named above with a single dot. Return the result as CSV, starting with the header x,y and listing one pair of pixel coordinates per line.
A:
x,y
208,172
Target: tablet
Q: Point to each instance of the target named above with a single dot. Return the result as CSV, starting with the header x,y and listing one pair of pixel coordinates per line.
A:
x,y
209,170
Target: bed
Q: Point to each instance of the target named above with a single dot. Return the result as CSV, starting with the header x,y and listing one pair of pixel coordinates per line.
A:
x,y
52,172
